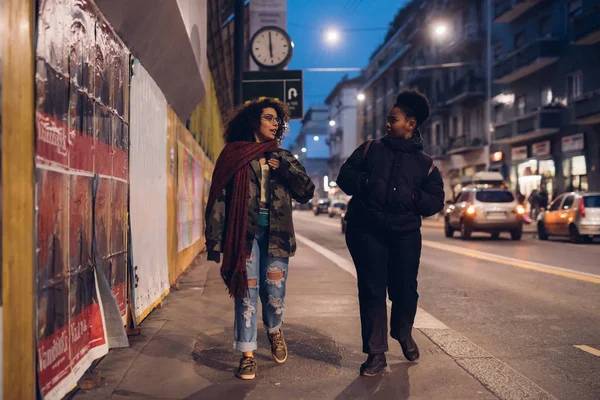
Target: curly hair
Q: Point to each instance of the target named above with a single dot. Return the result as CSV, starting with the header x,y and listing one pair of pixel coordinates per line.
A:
x,y
246,118
414,104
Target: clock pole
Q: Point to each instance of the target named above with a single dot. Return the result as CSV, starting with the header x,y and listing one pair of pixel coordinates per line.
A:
x,y
238,51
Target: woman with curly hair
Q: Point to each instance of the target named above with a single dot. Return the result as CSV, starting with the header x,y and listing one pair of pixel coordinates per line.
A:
x,y
249,220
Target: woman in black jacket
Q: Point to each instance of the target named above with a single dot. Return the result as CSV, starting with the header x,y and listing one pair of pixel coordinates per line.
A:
x,y
393,183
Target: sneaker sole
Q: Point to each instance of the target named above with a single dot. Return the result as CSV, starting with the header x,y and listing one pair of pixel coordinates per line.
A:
x,y
246,377
278,361
362,373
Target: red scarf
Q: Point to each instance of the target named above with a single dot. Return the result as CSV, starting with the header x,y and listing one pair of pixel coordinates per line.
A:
x,y
234,162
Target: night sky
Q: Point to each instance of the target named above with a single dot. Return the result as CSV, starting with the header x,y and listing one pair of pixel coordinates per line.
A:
x,y
306,21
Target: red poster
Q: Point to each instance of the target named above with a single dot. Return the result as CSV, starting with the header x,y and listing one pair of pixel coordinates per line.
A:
x,y
81,138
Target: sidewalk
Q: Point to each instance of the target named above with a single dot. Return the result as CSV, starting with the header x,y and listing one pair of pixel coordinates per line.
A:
x,y
185,349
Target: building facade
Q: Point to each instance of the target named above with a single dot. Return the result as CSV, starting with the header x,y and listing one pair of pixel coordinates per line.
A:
x,y
547,110
311,147
448,69
342,123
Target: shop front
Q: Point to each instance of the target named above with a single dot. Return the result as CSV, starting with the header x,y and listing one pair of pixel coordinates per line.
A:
x,y
574,162
533,168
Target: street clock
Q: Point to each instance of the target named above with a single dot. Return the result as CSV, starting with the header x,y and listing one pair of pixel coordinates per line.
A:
x,y
271,48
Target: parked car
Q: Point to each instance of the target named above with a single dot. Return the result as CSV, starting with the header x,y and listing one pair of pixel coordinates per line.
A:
x,y
575,214
337,208
321,206
344,223
480,209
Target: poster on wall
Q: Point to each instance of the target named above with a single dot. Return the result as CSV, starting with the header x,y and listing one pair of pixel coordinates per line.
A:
x,y
82,187
189,199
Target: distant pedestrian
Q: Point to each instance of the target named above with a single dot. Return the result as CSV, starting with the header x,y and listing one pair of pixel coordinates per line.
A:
x,y
534,204
249,220
543,198
393,183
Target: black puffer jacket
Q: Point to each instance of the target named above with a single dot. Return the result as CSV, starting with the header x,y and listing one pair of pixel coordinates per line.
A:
x,y
392,187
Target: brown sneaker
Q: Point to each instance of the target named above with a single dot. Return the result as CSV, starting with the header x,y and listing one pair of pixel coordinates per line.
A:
x,y
279,349
247,368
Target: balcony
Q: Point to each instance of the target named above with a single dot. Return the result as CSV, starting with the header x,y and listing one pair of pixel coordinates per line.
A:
x,y
527,60
419,77
586,110
509,10
585,28
464,144
436,152
534,125
468,36
467,88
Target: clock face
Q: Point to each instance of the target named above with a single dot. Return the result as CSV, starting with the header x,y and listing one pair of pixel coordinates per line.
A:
x,y
271,47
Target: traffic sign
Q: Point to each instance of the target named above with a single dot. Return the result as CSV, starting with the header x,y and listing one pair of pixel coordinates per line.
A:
x,y
286,86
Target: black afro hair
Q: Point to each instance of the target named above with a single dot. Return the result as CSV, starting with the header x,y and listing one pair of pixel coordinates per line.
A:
x,y
414,104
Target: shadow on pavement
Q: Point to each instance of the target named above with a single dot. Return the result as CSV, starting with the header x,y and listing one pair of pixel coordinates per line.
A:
x,y
231,390
393,384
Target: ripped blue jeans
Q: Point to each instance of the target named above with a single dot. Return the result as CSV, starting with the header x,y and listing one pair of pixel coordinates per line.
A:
x,y
270,291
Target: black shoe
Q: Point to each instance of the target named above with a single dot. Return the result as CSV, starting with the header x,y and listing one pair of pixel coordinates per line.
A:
x,y
374,365
410,349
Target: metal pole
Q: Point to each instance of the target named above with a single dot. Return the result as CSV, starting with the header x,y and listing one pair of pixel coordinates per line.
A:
x,y
238,51
488,91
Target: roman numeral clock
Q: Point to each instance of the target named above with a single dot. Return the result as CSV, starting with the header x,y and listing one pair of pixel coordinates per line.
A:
x,y
271,48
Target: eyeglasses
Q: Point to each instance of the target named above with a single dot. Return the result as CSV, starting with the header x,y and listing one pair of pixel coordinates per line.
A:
x,y
272,119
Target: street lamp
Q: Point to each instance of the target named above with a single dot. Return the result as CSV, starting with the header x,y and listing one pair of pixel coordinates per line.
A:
x,y
332,123
297,156
316,138
440,30
332,36
304,149
360,97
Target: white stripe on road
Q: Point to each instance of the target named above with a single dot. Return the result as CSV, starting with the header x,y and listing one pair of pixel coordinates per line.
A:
x,y
495,375
588,349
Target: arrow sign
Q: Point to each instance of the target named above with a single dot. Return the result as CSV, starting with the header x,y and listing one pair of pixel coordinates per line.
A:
x,y
286,86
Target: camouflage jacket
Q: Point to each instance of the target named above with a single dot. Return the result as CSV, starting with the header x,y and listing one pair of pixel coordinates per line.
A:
x,y
288,182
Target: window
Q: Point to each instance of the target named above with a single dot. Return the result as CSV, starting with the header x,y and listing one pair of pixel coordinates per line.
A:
x,y
545,96
575,7
545,27
466,124
497,51
455,126
464,196
575,85
519,40
568,202
591,201
556,205
495,196
521,103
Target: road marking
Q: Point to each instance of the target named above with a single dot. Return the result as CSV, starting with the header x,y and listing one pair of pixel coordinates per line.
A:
x,y
588,349
533,266
495,375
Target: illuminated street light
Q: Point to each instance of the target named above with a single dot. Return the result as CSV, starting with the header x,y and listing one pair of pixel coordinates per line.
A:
x,y
297,156
360,97
440,30
332,123
304,149
316,138
332,36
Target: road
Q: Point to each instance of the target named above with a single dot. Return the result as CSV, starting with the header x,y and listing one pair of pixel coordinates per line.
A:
x,y
528,303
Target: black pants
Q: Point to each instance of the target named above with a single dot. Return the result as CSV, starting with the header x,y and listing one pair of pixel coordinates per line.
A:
x,y
391,261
